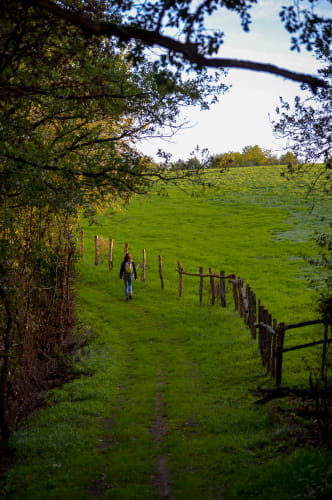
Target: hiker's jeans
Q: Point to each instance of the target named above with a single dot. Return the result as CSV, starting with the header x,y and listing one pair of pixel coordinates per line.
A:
x,y
128,282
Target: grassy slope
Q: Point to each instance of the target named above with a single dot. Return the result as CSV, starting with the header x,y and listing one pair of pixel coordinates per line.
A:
x,y
94,439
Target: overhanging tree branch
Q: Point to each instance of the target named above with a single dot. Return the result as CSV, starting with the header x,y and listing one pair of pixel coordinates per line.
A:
x,y
188,51
20,91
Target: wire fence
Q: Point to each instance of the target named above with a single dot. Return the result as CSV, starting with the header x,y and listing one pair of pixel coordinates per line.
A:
x,y
223,289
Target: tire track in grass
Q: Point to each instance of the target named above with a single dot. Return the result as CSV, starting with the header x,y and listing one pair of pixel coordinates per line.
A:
x,y
159,427
152,443
147,352
141,365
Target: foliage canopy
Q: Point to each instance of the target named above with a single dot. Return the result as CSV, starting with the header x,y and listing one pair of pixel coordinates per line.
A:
x,y
73,108
180,27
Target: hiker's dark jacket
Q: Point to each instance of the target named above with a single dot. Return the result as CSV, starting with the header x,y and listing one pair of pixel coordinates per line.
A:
x,y
123,267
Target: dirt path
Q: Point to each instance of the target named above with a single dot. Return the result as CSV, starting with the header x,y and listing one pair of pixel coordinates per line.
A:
x,y
162,480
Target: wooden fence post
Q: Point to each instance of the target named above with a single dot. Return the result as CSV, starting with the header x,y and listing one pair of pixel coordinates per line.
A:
x,y
267,319
273,350
110,254
180,269
126,247
270,360
279,348
235,294
253,314
212,287
82,244
247,312
240,283
324,353
222,289
260,330
144,265
247,305
97,250
161,271
201,285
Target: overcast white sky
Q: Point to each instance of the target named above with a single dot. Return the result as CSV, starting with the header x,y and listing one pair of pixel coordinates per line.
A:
x,y
241,117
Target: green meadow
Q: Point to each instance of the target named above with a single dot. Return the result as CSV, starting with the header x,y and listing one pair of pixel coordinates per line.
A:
x,y
163,405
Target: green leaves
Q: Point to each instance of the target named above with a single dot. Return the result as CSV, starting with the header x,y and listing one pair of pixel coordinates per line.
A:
x,y
314,32
74,108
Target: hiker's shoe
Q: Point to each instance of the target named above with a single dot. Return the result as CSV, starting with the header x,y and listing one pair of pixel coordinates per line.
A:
x,y
131,297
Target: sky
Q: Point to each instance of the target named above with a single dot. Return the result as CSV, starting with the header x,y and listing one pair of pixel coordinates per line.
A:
x,y
243,115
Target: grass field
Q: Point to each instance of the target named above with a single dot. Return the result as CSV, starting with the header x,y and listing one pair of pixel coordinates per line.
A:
x,y
166,403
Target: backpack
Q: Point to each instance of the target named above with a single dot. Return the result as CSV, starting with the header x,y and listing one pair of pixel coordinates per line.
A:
x,y
128,268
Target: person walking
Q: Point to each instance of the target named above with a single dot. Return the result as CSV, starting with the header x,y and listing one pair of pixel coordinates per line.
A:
x,y
128,274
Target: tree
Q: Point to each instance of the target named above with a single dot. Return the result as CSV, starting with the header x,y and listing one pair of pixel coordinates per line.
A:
x,y
191,164
288,158
149,23
223,161
253,155
270,158
307,128
73,108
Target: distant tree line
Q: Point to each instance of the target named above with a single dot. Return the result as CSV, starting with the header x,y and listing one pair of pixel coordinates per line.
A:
x,y
250,156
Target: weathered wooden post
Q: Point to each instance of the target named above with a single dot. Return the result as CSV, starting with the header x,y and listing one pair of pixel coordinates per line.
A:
x,y
161,271
212,287
269,361
233,281
267,319
264,336
126,247
273,350
324,353
201,284
144,265
97,250
241,297
110,254
247,305
253,313
222,289
261,330
279,347
247,312
82,244
180,270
